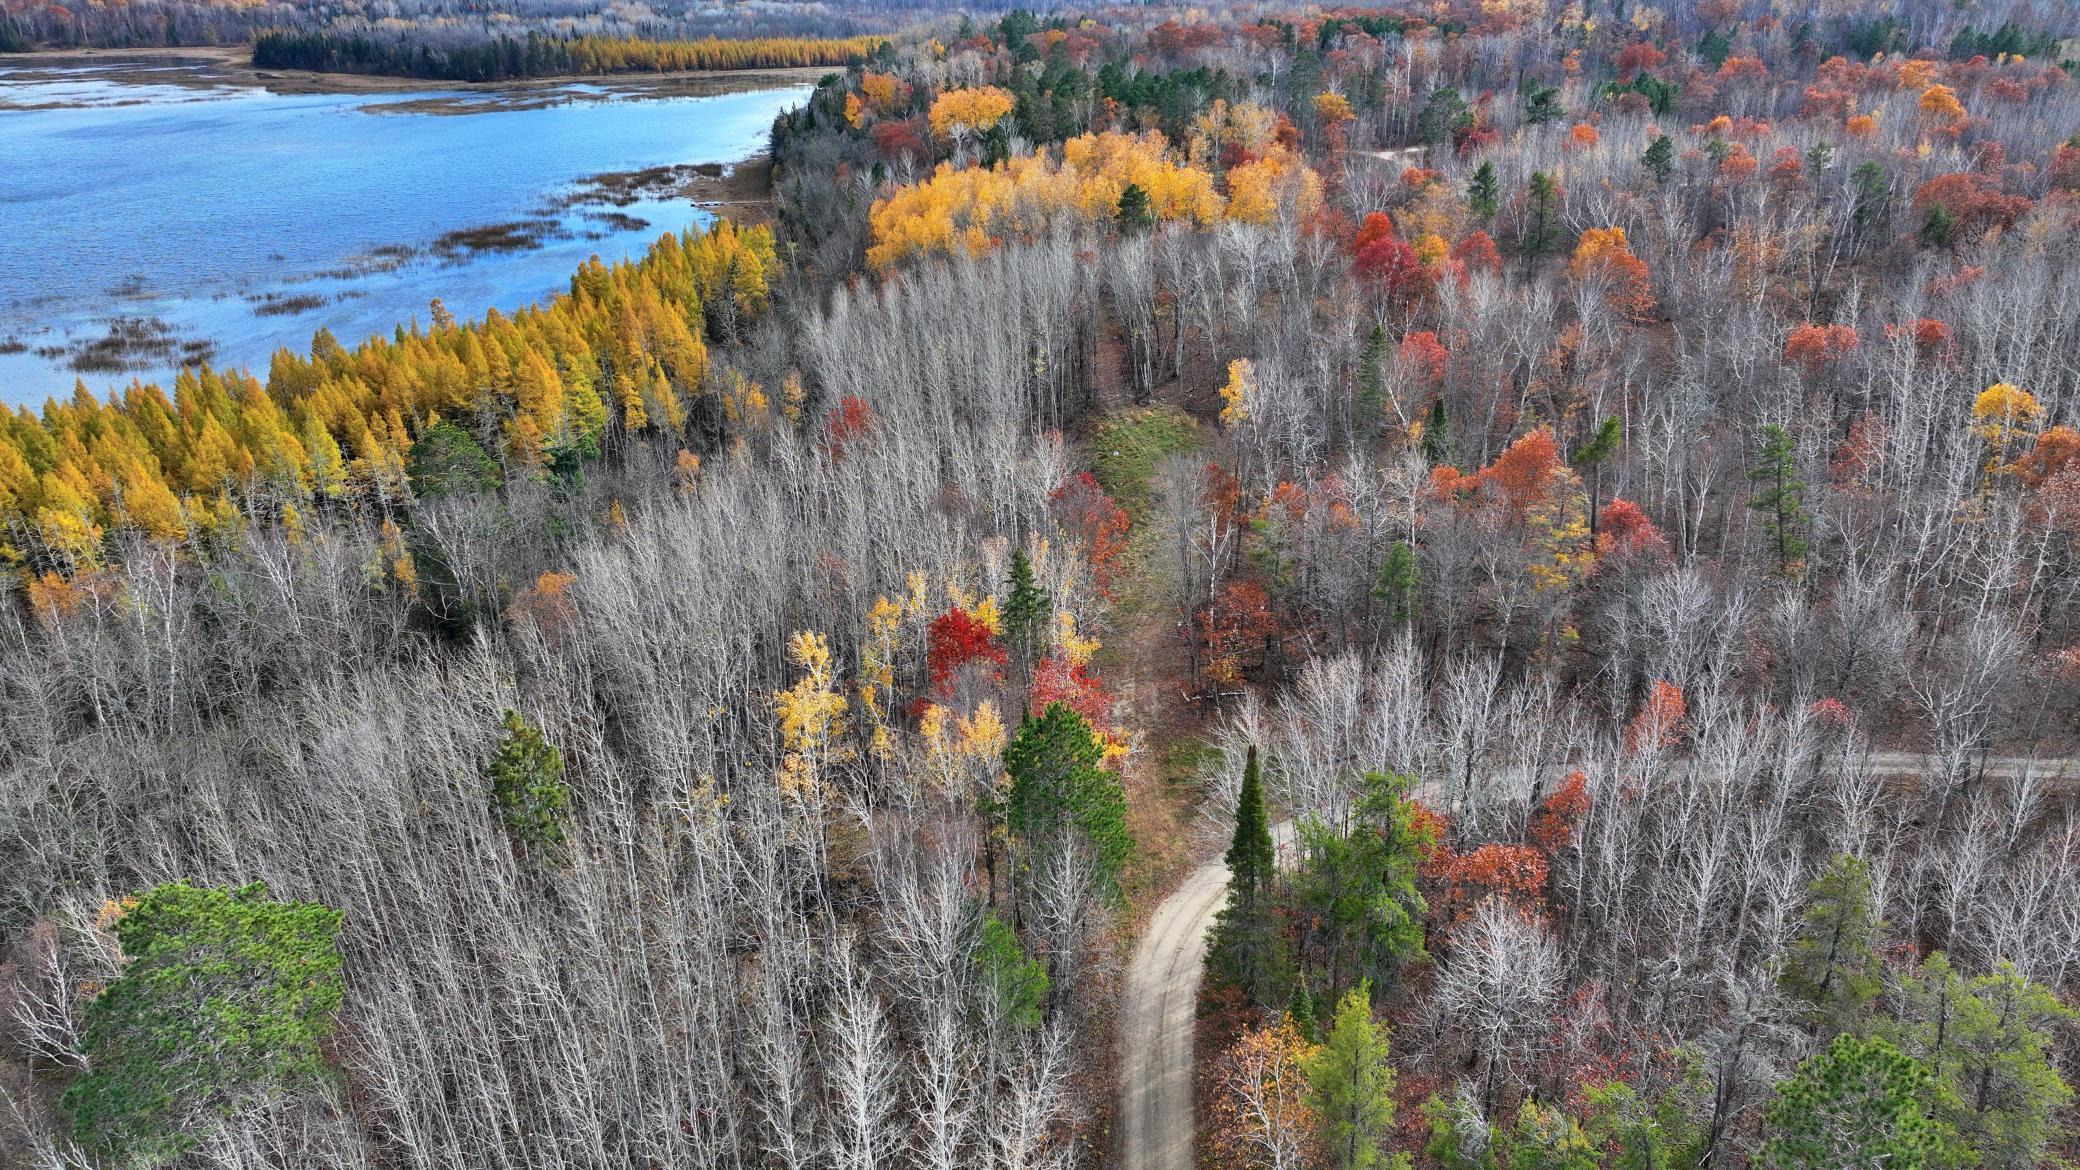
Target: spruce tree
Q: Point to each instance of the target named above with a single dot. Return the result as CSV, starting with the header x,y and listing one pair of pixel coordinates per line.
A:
x,y
1542,228
1372,385
1247,949
1781,499
1939,228
1027,608
1437,436
1400,576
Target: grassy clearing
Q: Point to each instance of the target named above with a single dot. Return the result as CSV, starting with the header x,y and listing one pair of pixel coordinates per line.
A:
x,y
1128,447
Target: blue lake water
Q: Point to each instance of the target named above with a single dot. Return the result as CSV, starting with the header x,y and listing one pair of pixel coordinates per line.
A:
x,y
229,221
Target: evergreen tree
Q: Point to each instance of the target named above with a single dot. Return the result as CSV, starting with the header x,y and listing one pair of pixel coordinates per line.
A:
x,y
1542,224
1300,1011
1484,191
1781,499
1028,608
225,998
1356,886
1987,1043
527,785
1437,436
1642,1134
1136,212
1939,228
1016,982
1400,576
1834,964
1715,48
1061,798
1871,191
1660,157
1859,1103
1351,1084
1546,1138
1443,116
1542,103
447,461
1248,948
1372,386
1593,454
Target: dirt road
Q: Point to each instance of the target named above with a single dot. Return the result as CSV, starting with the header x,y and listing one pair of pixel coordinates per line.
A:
x,y
1155,1072
1163,988
1156,1024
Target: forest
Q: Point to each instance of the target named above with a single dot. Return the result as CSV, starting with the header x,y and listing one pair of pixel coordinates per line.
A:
x,y
1572,510
437,30
505,58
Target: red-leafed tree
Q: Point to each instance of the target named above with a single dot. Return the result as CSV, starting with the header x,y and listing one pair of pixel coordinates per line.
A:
x,y
1095,522
955,639
1057,680
1240,623
1815,347
1626,536
848,422
1661,720
1553,828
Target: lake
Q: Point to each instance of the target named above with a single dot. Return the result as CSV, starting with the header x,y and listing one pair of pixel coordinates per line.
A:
x,y
155,216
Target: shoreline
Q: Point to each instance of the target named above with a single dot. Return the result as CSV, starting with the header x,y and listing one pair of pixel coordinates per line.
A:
x,y
232,65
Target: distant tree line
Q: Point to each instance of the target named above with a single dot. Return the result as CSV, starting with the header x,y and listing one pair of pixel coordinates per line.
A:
x,y
503,58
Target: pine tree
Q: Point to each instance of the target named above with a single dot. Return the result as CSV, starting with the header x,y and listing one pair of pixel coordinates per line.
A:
x,y
1593,454
1782,498
1400,576
226,997
1542,103
1016,982
1247,949
1988,1044
1356,886
1542,227
1939,228
1443,115
1660,157
1834,964
1061,798
1136,212
1484,192
527,785
447,461
1859,1103
1351,1084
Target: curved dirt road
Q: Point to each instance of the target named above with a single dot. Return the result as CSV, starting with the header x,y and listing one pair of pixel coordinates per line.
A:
x,y
1155,1072
1162,989
1162,993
